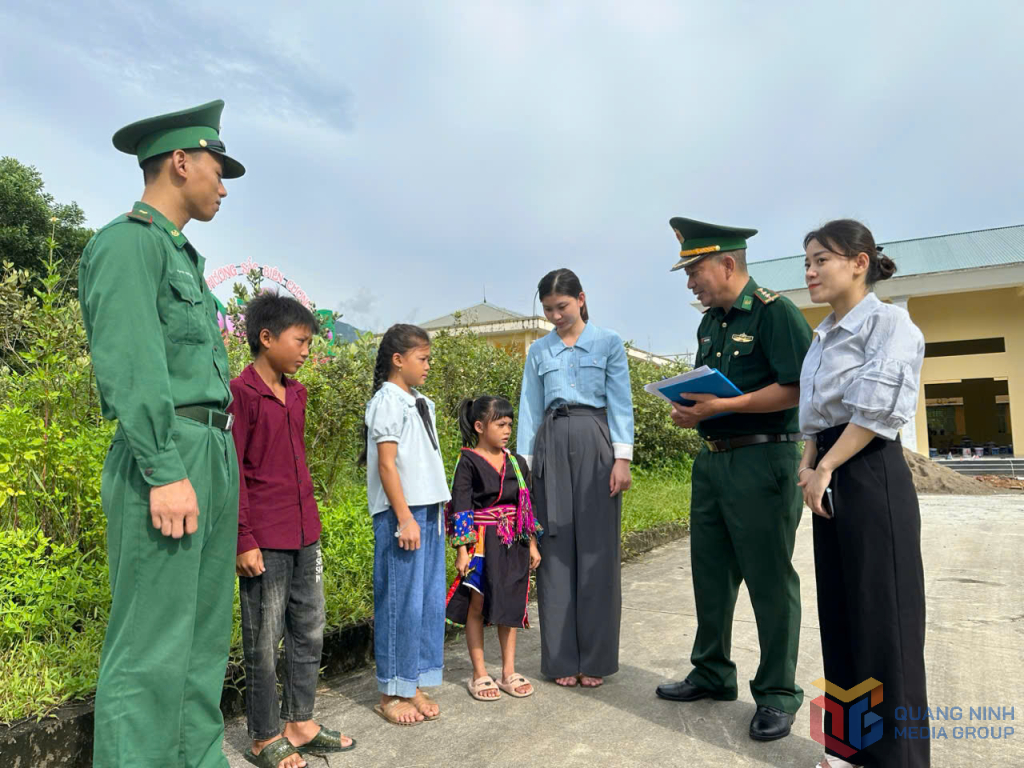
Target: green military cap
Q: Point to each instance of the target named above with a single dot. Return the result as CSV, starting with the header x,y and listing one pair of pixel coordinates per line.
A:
x,y
195,128
700,239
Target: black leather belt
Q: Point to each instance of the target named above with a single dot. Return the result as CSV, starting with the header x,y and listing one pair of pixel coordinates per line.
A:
x,y
730,443
210,418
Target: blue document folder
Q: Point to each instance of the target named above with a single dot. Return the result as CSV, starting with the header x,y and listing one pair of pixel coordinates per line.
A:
x,y
700,381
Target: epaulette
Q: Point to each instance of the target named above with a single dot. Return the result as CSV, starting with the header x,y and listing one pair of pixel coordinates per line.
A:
x,y
765,295
139,216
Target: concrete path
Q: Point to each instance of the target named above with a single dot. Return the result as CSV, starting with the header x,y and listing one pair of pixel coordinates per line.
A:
x,y
975,650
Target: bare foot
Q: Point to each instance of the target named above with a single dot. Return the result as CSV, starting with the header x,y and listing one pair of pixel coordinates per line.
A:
x,y
426,705
405,711
591,682
292,761
300,734
567,682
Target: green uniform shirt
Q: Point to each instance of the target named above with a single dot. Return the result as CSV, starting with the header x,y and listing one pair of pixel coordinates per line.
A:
x,y
153,335
759,340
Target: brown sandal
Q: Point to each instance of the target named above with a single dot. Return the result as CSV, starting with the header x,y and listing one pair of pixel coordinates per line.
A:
x,y
427,699
387,711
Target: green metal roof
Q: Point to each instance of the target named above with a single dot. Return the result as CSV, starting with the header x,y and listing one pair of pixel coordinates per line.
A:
x,y
921,256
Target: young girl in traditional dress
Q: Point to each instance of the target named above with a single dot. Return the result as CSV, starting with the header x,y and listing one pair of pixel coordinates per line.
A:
x,y
576,421
491,522
407,488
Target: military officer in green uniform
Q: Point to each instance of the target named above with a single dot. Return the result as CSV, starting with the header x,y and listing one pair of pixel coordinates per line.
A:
x,y
745,505
170,480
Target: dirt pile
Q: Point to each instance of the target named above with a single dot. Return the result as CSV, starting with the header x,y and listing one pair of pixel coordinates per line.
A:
x,y
930,477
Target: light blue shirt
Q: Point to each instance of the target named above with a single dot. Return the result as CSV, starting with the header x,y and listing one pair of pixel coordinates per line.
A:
x,y
594,372
863,370
391,417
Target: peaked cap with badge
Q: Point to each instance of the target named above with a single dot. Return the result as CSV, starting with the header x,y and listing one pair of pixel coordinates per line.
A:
x,y
700,239
194,128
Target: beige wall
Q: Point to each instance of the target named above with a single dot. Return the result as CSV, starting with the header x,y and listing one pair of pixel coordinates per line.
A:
x,y
516,341
958,317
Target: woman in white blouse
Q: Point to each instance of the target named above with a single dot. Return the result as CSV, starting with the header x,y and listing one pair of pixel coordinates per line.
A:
x,y
858,387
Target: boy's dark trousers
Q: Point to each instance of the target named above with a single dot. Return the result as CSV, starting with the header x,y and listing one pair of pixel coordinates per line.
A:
x,y
287,601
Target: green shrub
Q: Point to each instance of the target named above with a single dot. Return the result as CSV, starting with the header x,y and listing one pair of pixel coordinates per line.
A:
x,y
54,604
49,590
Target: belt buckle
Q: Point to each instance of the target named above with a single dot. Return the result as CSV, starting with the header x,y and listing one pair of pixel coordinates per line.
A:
x,y
711,446
231,420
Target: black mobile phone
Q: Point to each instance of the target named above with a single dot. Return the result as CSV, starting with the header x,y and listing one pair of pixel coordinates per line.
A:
x,y
826,503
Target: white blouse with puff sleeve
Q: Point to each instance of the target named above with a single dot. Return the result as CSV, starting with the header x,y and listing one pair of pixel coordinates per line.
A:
x,y
863,370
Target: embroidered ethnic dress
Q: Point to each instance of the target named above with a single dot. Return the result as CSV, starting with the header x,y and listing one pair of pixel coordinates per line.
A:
x,y
491,513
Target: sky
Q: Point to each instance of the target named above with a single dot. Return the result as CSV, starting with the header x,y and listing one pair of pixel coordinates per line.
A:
x,y
405,159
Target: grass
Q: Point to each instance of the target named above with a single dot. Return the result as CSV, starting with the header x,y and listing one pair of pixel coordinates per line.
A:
x,y
42,673
658,496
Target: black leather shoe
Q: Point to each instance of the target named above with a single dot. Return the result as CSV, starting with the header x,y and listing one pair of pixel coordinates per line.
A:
x,y
770,724
687,691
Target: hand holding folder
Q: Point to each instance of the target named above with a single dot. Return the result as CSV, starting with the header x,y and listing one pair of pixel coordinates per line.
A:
x,y
699,381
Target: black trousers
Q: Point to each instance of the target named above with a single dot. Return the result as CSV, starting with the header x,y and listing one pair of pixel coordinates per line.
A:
x,y
871,604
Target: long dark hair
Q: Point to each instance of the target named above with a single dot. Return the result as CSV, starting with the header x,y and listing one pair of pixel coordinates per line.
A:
x,y
848,237
486,408
398,340
562,282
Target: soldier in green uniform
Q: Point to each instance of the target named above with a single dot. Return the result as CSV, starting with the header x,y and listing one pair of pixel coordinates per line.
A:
x,y
745,505
170,480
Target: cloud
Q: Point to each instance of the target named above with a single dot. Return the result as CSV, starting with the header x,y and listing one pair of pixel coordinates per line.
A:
x,y
401,154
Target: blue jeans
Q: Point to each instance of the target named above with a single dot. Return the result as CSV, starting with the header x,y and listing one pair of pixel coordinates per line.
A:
x,y
408,604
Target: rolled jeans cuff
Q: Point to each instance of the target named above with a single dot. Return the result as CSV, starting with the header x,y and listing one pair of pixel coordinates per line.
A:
x,y
406,689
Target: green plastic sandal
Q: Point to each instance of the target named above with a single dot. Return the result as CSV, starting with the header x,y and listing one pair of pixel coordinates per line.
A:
x,y
272,754
325,741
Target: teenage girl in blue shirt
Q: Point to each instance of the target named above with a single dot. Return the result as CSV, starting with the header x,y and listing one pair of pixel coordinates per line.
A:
x,y
576,431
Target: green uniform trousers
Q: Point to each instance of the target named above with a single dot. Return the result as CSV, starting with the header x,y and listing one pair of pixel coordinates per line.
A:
x,y
744,514
166,648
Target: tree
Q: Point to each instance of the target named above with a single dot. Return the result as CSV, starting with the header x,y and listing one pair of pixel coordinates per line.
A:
x,y
29,216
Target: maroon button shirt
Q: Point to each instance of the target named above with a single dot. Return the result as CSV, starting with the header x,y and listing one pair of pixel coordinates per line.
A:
x,y
276,508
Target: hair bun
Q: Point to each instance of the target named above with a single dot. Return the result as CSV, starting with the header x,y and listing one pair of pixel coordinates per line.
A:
x,y
886,267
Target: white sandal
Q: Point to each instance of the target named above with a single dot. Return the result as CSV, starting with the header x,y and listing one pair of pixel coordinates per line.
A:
x,y
485,683
831,761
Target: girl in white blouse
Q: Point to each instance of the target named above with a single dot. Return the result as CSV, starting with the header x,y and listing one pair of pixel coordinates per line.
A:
x,y
858,386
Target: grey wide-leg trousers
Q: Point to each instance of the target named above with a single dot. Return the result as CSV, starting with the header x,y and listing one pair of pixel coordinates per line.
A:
x,y
579,590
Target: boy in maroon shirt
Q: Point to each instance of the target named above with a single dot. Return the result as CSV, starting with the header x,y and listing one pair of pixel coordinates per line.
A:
x,y
279,564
